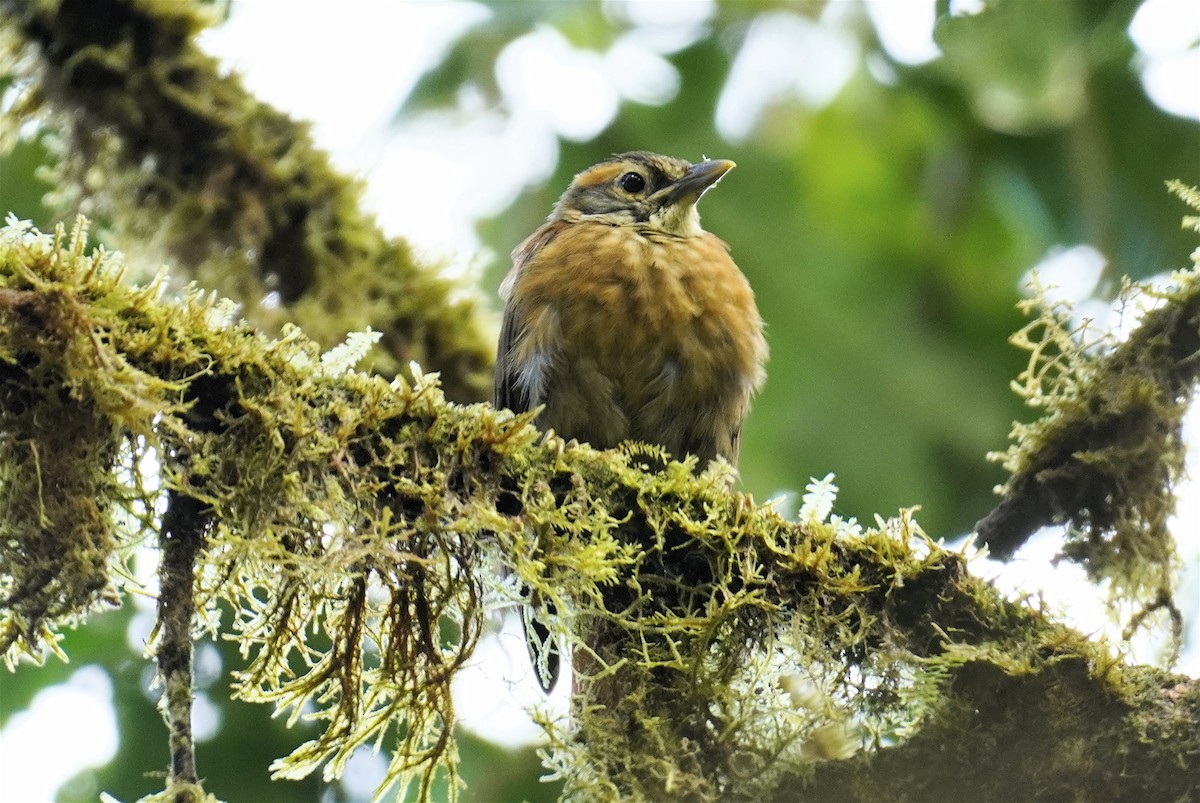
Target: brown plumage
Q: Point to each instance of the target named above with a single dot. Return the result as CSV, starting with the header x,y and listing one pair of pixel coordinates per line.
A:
x,y
628,321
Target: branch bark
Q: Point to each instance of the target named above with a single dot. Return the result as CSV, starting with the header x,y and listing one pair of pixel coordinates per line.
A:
x,y
184,524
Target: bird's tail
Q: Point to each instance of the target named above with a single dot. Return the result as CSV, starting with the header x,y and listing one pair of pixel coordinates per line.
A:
x,y
543,649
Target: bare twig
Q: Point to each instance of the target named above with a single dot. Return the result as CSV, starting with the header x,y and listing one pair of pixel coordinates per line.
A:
x,y
184,525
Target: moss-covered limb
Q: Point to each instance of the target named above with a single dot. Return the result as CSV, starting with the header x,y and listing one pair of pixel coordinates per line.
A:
x,y
1106,452
356,525
184,524
335,515
182,159
1112,442
58,450
894,655
1055,732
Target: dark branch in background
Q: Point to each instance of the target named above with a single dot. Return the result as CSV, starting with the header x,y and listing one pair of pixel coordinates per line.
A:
x,y
184,524
233,190
1106,451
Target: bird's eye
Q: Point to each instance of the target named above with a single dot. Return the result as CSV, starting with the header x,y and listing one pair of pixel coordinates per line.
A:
x,y
631,182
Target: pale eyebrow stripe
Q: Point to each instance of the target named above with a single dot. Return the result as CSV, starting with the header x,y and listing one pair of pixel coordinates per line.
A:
x,y
600,174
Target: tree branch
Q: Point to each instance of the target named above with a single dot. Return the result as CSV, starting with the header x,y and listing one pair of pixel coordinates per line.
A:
x,y
182,159
369,512
183,528
1101,447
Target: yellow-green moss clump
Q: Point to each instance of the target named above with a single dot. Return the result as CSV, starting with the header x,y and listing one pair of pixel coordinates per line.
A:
x,y
184,164
1106,452
360,530
299,462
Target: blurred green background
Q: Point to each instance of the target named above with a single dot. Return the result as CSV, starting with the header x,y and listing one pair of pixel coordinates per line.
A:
x,y
885,208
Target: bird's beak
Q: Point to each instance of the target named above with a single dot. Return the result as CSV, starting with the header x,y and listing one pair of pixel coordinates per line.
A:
x,y
688,189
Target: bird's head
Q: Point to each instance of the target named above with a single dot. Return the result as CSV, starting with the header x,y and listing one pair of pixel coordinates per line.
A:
x,y
641,189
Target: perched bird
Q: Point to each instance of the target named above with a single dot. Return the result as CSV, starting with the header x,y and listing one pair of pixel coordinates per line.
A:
x,y
627,321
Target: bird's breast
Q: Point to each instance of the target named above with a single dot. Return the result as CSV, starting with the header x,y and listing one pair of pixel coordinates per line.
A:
x,y
656,314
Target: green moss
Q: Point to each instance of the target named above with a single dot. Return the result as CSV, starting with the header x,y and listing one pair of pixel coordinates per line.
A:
x,y
1106,451
183,163
324,485
359,527
62,445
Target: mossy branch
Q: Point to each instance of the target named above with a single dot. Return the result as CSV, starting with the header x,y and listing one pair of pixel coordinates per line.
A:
x,y
1106,451
722,652
186,165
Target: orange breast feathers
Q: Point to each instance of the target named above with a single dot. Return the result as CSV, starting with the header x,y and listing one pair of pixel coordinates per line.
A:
x,y
629,334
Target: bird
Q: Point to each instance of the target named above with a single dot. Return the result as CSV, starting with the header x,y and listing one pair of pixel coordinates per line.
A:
x,y
625,321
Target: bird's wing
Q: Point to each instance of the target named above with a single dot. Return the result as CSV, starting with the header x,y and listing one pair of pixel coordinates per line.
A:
x,y
507,391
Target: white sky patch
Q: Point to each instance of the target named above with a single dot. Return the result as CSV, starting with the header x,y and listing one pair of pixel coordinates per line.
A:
x,y
1172,81
1166,33
784,56
905,29
347,68
344,66
1065,587
496,690
1068,274
966,8
660,15
436,179
145,599
640,74
38,752
664,26
365,770
1165,26
206,718
542,73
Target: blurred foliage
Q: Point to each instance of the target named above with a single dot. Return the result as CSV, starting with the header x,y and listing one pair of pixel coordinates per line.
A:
x,y
885,233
